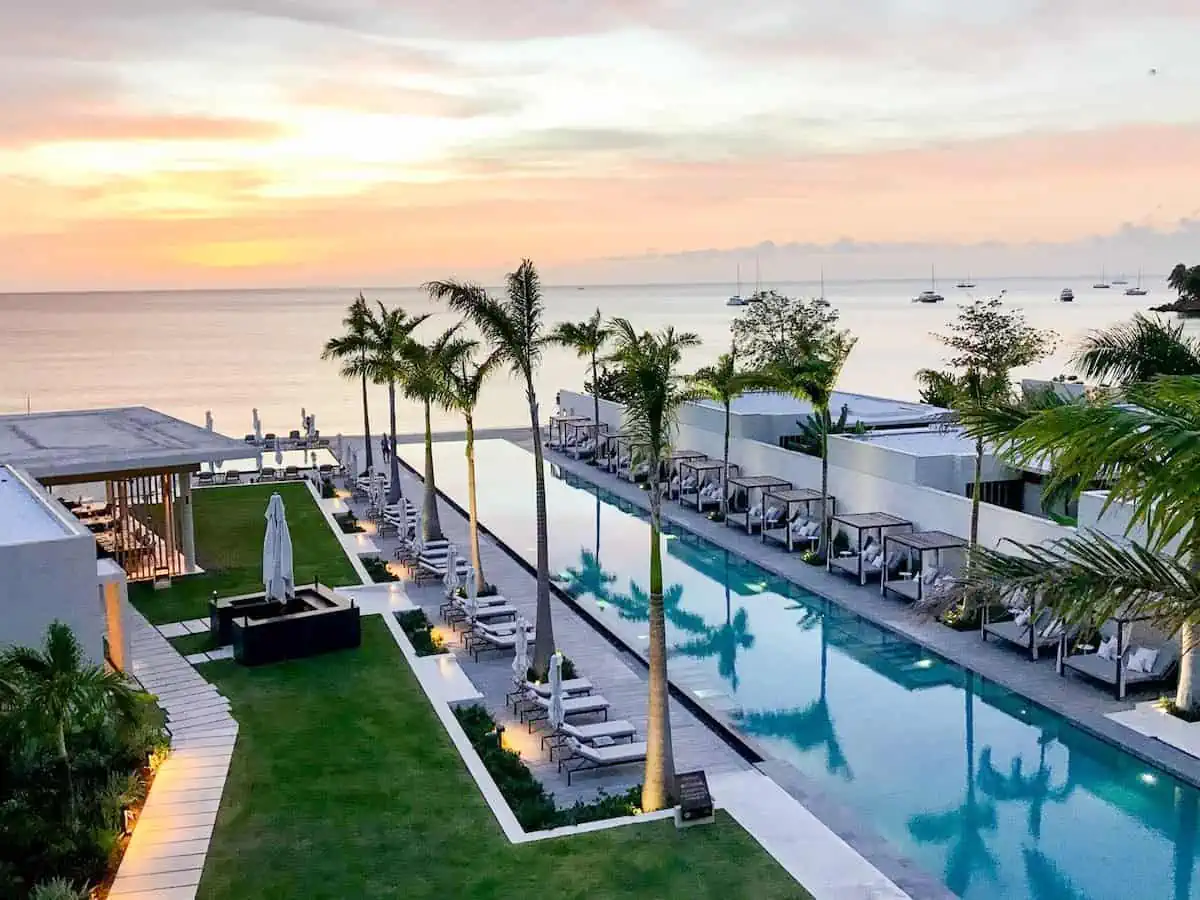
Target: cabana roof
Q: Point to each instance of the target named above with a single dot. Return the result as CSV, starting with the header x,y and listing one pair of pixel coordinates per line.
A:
x,y
569,420
795,495
704,464
862,521
928,540
676,455
759,481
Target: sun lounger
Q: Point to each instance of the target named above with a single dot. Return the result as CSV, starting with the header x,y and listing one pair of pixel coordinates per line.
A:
x,y
1033,637
234,477
587,705
489,615
267,473
1117,673
570,686
484,641
585,756
204,478
456,605
616,730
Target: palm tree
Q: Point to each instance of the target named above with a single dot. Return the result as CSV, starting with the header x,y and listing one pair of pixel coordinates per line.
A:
x,y
57,687
387,335
463,386
1144,443
724,642
513,329
422,377
352,350
1138,351
650,364
587,338
723,383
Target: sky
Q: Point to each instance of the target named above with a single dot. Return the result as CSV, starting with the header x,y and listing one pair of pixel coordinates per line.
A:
x,y
229,143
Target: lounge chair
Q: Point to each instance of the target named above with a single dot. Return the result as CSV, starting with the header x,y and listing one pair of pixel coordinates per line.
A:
x,y
266,473
1116,671
570,687
539,707
233,477
291,473
1040,634
456,607
585,756
488,615
615,730
484,641
203,478
435,565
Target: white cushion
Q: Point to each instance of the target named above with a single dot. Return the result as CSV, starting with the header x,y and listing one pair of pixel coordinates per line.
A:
x,y
929,575
1142,660
1107,649
1054,629
756,510
1022,618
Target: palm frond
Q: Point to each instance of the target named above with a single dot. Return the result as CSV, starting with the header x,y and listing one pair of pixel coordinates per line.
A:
x,y
1138,350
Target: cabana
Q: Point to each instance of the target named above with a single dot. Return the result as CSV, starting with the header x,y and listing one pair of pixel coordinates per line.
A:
x,y
626,449
750,518
867,527
1130,653
606,449
675,459
793,529
555,437
582,438
918,580
704,490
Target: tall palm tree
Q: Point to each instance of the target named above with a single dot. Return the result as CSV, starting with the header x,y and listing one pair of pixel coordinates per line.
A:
x,y
464,383
1144,443
388,334
723,383
422,377
513,329
656,390
57,687
587,338
1138,350
352,349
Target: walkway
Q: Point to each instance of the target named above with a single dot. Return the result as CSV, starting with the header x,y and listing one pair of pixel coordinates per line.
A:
x,y
165,857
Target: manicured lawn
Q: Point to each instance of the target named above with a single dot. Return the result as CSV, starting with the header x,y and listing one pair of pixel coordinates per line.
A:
x,y
194,643
344,784
229,539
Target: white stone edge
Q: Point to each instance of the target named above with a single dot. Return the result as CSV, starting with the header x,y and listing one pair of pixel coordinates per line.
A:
x,y
359,569
487,786
1147,719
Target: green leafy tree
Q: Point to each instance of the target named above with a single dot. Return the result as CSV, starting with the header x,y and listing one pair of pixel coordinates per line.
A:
x,y
1185,281
388,334
607,385
56,689
1143,441
513,329
797,344
588,339
988,341
464,384
939,389
816,428
650,365
1138,350
352,350
723,383
422,377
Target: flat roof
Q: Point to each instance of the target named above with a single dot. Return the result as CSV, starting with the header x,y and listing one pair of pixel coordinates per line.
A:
x,y
759,481
920,441
863,521
861,408
928,540
99,441
27,514
796,495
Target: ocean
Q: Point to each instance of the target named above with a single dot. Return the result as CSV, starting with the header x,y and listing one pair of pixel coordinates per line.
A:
x,y
188,352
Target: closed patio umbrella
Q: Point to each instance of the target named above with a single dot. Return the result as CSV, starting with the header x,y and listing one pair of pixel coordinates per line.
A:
x,y
208,420
471,607
418,535
278,452
257,425
312,425
278,578
450,579
557,715
520,664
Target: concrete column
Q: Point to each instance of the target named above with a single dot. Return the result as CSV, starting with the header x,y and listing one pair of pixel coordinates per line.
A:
x,y
189,527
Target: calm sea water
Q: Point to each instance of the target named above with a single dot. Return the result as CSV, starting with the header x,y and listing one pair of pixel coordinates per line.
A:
x,y
229,351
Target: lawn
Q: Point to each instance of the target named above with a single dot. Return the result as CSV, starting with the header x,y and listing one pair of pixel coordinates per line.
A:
x,y
229,538
344,784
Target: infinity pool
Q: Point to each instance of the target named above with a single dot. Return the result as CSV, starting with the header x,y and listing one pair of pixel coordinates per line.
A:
x,y
997,797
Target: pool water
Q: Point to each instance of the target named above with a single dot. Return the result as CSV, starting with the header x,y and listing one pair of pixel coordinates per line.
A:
x,y
997,797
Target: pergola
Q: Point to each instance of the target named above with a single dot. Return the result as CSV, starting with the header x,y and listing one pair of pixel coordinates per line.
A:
x,y
558,425
626,445
606,448
581,431
916,543
145,461
699,468
872,524
785,499
750,484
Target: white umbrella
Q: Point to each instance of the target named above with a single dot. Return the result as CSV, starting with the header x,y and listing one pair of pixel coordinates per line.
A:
x,y
471,607
257,425
419,533
312,425
278,452
208,420
277,553
340,442
520,665
303,420
450,579
557,715
353,464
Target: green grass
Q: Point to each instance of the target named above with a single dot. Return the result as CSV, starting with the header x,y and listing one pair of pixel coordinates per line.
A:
x,y
194,643
344,784
229,537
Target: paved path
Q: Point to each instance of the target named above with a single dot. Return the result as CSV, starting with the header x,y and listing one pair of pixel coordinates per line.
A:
x,y
165,857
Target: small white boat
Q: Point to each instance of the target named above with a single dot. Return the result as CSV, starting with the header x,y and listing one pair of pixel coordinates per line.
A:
x,y
1102,284
1138,291
931,295
966,283
1067,295
737,299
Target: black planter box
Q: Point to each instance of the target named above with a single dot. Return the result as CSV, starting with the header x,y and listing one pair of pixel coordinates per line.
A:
x,y
293,636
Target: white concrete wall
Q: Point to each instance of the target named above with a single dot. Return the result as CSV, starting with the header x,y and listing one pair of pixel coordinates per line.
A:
x,y
44,581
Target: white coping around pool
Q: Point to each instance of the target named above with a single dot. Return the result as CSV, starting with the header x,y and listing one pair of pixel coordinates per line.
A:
x,y
1146,718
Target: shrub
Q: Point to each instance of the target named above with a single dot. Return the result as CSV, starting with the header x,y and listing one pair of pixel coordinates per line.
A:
x,y
328,491
533,807
420,632
969,616
347,523
1167,705
57,889
812,557
568,671
377,569
489,590
841,542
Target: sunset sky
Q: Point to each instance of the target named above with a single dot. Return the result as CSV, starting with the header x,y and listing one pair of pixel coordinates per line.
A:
x,y
191,143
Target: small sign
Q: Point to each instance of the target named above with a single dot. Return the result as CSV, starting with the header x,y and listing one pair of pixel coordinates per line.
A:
x,y
695,802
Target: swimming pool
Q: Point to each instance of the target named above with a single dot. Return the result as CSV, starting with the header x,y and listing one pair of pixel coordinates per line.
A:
x,y
997,797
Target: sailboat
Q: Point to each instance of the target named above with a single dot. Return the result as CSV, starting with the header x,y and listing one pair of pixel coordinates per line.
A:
x,y
737,299
1138,291
1103,282
930,296
966,283
756,297
822,282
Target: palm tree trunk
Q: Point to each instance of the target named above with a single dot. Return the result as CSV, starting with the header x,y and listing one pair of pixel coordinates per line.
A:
x,y
658,787
725,467
394,468
975,492
432,525
61,740
596,404
476,559
543,646
366,425
823,543
1187,694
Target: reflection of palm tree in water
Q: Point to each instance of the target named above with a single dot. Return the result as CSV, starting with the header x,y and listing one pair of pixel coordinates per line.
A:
x,y
635,607
962,828
806,728
1017,786
723,642
589,578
